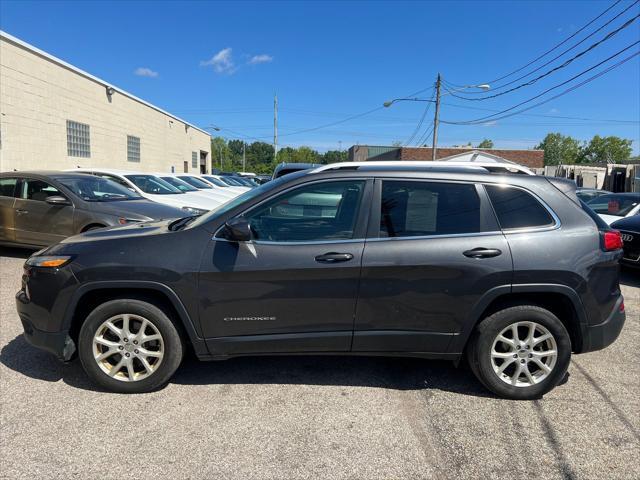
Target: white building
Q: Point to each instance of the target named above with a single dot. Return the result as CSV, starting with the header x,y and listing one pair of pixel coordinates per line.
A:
x,y
55,116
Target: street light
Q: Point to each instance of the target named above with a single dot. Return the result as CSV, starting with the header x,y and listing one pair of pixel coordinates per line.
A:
x,y
388,103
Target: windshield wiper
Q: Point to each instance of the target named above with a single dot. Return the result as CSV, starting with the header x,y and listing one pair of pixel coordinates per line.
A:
x,y
181,223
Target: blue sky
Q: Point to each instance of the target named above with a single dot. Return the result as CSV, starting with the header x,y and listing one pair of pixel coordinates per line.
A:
x,y
219,64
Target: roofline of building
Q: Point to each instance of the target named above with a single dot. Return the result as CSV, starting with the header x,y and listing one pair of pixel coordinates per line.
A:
x,y
454,148
10,38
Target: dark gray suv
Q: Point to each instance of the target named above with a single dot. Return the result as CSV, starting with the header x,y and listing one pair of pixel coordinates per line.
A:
x,y
512,271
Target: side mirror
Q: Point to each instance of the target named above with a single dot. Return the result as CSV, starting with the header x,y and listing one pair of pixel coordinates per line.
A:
x,y
238,230
57,200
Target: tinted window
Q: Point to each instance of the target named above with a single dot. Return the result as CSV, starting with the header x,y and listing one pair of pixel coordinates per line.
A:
x,y
322,211
179,184
195,182
619,205
216,182
119,181
152,184
97,189
8,186
38,190
516,208
411,209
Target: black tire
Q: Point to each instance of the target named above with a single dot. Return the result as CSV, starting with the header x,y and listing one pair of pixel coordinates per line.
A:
x,y
173,345
481,342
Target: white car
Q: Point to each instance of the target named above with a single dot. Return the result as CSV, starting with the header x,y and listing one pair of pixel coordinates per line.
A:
x,y
614,206
155,189
194,188
205,186
216,180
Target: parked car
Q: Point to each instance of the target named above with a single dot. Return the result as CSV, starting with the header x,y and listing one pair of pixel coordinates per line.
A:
x,y
436,262
629,228
198,186
286,168
588,194
614,206
38,209
233,182
217,181
262,179
153,188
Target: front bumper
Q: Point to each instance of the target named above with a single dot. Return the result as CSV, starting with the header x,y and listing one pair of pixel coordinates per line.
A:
x,y
597,337
58,343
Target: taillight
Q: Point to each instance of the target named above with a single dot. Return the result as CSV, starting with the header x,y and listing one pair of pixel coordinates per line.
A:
x,y
612,240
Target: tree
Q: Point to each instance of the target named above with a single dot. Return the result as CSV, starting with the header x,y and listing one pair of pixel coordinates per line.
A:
x,y
486,143
606,150
334,156
559,149
236,147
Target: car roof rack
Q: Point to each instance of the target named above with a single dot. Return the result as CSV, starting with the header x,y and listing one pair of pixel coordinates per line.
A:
x,y
446,166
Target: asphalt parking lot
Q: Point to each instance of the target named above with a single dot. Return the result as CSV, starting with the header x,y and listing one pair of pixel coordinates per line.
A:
x,y
315,417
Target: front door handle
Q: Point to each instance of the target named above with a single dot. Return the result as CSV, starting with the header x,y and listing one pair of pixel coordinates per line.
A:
x,y
20,211
482,252
333,257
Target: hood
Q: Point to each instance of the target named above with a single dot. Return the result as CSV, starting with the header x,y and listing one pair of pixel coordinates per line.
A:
x,y
181,200
124,231
139,209
629,223
609,218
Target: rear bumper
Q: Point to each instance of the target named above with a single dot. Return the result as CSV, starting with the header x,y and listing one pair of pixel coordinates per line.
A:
x,y
58,343
597,337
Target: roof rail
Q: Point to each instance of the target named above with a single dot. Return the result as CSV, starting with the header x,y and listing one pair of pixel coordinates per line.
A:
x,y
491,167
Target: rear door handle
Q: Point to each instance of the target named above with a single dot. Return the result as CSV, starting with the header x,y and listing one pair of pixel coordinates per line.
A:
x,y
482,252
20,211
333,257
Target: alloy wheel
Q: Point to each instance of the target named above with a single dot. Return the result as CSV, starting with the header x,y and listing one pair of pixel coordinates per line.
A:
x,y
128,347
524,354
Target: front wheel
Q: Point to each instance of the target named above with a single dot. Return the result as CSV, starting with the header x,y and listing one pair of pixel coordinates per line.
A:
x,y
129,346
520,352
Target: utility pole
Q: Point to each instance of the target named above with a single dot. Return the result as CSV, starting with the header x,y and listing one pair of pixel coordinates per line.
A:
x,y
244,157
436,120
275,126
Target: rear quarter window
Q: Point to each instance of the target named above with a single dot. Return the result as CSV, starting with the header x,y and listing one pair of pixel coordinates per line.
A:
x,y
8,187
516,208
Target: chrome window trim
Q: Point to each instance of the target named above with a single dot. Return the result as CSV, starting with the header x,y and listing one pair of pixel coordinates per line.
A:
x,y
261,242
543,228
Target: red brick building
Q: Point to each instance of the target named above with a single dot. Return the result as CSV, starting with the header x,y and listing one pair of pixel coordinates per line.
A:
x,y
362,153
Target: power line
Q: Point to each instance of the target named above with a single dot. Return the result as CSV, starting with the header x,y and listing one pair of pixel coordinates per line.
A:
x,y
553,48
495,117
555,69
493,88
421,121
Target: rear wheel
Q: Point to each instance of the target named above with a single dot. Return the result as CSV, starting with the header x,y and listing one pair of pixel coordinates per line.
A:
x,y
129,346
520,352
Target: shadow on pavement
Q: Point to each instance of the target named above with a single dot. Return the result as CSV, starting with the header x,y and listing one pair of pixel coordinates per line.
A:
x,y
16,252
376,372
630,277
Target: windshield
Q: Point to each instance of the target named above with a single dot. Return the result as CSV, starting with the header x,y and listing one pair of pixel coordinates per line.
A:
x,y
98,189
618,205
153,185
244,181
217,182
234,202
179,184
231,181
196,182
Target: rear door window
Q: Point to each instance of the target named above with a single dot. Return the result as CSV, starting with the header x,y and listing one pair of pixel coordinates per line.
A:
x,y
413,209
516,208
38,190
8,187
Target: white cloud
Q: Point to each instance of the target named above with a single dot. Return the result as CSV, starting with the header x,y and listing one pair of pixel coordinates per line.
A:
x,y
491,123
145,72
222,62
263,58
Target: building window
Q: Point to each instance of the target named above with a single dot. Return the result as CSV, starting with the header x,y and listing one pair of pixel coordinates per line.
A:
x,y
78,140
194,159
133,148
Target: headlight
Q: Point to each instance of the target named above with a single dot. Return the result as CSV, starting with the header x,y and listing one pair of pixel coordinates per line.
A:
x,y
49,261
124,221
195,211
